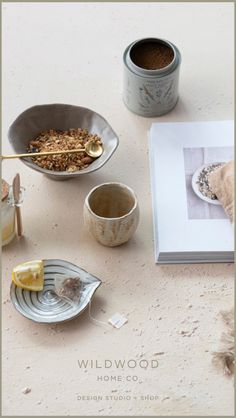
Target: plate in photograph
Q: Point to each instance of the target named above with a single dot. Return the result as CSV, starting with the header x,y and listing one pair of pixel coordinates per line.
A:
x,y
195,185
46,306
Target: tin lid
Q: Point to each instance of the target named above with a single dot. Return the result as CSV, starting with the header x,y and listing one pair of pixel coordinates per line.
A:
x,y
5,190
152,72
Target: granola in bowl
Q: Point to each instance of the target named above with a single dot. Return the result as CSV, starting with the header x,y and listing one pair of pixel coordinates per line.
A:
x,y
55,140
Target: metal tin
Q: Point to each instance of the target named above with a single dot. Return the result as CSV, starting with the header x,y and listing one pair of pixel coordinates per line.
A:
x,y
151,93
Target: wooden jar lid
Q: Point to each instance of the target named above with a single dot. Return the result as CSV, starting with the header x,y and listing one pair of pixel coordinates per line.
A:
x,y
5,189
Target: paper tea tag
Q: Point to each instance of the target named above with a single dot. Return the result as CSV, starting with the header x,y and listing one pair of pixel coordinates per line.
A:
x,y
117,320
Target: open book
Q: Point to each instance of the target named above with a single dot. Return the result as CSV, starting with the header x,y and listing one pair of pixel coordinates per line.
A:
x,y
188,229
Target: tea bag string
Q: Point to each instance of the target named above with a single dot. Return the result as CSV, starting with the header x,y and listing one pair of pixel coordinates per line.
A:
x,y
96,321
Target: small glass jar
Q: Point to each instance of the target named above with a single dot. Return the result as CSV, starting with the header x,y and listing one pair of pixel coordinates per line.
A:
x,y
8,216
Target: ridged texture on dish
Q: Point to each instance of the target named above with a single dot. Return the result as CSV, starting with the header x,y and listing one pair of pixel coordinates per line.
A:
x,y
46,306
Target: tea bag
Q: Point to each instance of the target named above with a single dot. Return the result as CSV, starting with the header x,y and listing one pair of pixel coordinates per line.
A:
x,y
68,288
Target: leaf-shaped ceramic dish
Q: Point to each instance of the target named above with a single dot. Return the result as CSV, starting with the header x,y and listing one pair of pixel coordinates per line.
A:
x,y
62,117
45,306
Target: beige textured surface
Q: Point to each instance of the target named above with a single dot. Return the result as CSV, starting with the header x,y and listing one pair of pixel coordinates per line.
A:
x,y
72,53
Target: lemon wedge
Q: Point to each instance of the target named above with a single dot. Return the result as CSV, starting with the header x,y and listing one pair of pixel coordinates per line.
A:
x,y
29,276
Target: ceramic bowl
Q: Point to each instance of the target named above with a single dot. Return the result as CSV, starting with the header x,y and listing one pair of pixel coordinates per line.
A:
x,y
111,213
45,306
195,185
62,117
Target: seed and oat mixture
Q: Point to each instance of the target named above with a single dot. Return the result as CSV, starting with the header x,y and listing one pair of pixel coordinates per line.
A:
x,y
54,140
203,180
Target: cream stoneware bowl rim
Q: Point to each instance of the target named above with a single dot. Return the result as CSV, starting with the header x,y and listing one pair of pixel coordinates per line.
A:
x,y
115,184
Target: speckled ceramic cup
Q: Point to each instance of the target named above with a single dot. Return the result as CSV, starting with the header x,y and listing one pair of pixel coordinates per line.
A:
x,y
111,213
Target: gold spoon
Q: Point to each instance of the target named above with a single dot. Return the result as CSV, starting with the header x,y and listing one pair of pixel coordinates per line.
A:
x,y
93,149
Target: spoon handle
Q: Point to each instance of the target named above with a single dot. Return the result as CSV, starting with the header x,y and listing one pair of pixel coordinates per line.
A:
x,y
37,154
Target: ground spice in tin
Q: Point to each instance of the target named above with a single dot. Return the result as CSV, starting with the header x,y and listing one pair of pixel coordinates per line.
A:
x,y
151,55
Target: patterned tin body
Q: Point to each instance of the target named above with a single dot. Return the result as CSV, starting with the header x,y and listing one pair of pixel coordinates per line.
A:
x,y
151,93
